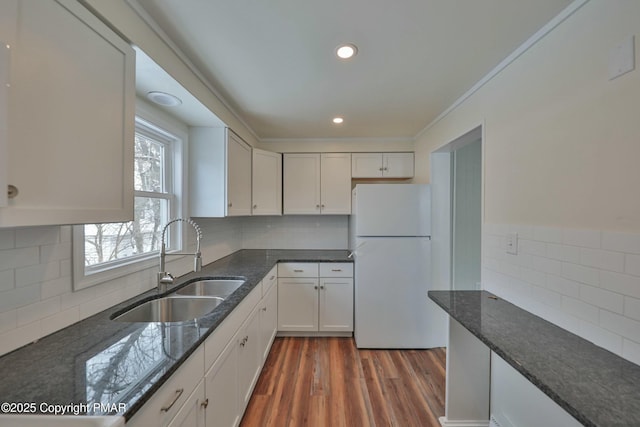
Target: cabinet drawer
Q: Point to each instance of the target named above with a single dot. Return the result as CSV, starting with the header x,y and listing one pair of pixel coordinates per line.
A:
x,y
298,269
167,401
269,280
336,269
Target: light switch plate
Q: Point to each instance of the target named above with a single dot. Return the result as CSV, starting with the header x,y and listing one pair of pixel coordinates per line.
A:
x,y
512,243
622,58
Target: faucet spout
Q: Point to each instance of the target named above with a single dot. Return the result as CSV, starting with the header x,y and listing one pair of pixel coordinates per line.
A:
x,y
165,278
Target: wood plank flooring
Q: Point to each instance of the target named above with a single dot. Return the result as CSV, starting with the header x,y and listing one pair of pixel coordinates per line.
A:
x,y
329,382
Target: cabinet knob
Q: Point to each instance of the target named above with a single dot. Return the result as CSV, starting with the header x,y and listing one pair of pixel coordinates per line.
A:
x,y
315,287
205,404
381,169
255,206
12,191
386,168
264,308
322,206
321,287
317,206
230,204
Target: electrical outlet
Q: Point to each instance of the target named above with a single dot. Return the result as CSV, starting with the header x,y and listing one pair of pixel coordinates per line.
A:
x,y
512,243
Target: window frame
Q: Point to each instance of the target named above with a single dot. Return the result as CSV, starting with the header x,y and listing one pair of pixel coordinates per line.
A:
x,y
167,130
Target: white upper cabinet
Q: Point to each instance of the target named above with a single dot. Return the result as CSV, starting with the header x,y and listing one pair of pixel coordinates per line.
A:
x,y
382,165
317,184
70,112
220,173
267,183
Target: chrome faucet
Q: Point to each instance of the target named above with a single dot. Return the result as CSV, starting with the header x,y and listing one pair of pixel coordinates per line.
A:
x,y
164,277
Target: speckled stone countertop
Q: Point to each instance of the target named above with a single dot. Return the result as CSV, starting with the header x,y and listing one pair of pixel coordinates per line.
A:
x,y
99,360
594,385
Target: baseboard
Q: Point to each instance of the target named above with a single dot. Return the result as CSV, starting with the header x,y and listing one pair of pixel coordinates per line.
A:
x,y
444,422
313,334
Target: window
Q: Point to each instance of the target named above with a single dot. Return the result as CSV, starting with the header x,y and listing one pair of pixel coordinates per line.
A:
x,y
105,251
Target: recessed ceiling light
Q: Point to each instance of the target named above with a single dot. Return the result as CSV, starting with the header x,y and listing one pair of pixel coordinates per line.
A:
x,y
164,99
346,51
338,120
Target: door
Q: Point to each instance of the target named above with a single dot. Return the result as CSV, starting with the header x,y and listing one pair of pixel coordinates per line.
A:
x,y
192,412
238,176
297,304
267,183
335,183
392,309
393,210
301,174
336,304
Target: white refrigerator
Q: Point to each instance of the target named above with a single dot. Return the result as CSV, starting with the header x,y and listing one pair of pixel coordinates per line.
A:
x,y
390,230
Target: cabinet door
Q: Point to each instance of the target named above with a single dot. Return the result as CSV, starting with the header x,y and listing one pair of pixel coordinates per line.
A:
x,y
366,165
268,321
249,358
267,183
336,304
335,179
192,412
301,174
71,115
297,304
238,176
221,388
398,165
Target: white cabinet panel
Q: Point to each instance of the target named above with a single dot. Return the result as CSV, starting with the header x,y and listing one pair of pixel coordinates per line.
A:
x,y
70,117
220,173
316,184
267,183
268,320
336,305
298,269
249,358
221,386
297,304
335,183
192,412
301,193
382,165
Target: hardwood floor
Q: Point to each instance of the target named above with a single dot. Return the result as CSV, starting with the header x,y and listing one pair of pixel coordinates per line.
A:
x,y
329,382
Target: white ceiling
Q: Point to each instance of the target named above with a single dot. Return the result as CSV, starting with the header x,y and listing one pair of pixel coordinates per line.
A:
x,y
273,61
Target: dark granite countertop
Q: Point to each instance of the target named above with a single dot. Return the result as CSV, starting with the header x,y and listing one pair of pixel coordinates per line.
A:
x,y
99,360
594,385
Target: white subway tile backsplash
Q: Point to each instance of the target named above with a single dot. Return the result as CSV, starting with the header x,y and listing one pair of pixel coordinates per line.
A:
x,y
547,234
632,264
34,312
15,298
21,257
60,320
582,238
14,338
594,274
37,236
621,242
8,321
616,323
54,287
580,309
55,252
37,273
7,280
604,260
7,239
602,298
578,273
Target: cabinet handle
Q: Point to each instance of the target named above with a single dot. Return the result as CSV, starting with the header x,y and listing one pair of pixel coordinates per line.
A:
x,y
205,404
175,399
264,308
272,277
255,206
298,271
12,191
337,270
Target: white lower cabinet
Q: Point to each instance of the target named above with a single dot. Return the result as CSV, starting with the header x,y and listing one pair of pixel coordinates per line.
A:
x,y
167,402
192,412
213,387
221,384
318,298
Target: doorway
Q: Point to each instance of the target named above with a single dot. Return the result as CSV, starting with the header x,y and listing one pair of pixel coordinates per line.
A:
x,y
456,181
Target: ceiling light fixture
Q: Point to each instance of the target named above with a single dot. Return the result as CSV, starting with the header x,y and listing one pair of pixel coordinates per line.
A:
x,y
338,120
346,51
164,99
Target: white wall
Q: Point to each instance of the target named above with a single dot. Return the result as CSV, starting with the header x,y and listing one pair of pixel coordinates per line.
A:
x,y
561,146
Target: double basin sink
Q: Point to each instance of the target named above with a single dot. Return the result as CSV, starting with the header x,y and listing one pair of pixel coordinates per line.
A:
x,y
195,300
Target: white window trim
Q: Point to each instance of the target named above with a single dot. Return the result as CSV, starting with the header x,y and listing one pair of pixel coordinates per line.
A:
x,y
178,132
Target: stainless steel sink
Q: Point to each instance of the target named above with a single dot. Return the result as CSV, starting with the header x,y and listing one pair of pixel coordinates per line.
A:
x,y
171,309
211,287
